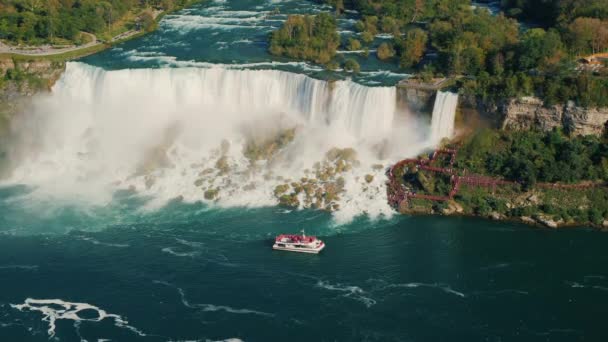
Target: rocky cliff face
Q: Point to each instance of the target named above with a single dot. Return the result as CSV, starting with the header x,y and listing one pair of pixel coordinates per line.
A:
x,y
415,100
27,77
20,79
530,113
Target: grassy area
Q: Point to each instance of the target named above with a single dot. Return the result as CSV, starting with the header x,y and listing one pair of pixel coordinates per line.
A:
x,y
558,180
62,57
561,206
123,25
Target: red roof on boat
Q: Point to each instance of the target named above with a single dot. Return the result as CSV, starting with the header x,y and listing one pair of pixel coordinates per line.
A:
x,y
296,238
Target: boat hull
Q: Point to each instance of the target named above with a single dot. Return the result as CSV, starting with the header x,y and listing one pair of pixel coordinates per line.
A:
x,y
299,249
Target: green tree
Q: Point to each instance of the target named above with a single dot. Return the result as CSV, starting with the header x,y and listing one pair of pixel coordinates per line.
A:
x,y
308,37
354,44
351,65
385,51
413,48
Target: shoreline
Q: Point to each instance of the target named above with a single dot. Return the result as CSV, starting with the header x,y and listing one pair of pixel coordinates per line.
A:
x,y
527,221
412,189
91,48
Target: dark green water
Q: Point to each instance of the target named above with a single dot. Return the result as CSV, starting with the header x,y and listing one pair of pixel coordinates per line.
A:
x,y
188,272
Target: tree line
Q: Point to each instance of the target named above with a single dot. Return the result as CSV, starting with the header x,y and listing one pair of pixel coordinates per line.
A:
x,y
530,157
50,21
496,56
306,37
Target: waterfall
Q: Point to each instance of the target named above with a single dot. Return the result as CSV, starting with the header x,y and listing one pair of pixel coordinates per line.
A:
x,y
444,112
362,111
163,133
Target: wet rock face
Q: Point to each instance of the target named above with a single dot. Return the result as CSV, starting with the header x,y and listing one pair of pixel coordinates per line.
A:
x,y
28,77
6,64
322,186
586,121
530,113
416,100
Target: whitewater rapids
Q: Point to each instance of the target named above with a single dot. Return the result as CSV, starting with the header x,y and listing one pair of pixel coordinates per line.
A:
x,y
154,131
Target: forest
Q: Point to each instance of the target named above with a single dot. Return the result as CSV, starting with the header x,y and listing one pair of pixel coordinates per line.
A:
x,y
306,37
35,22
493,56
530,157
549,175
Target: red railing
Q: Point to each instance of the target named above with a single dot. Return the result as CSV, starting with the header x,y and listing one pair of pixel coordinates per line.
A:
x,y
397,194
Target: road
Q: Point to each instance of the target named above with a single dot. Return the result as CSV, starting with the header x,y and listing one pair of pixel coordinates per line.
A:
x,y
48,50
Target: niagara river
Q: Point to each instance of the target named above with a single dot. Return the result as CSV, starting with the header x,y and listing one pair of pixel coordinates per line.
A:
x,y
147,187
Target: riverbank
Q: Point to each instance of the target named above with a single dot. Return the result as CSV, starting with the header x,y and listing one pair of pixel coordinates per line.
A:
x,y
122,33
27,71
455,181
529,204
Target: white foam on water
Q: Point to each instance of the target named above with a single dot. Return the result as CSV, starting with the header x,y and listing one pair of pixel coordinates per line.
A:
x,y
200,251
384,73
212,307
100,243
354,51
350,291
185,23
19,267
171,250
587,286
53,310
172,61
445,288
243,41
194,244
156,131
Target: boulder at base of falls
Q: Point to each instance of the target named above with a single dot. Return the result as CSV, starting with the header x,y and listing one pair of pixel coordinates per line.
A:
x,y
211,194
496,216
546,221
452,208
527,219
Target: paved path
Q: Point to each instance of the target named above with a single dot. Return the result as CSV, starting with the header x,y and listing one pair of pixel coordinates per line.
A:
x,y
48,50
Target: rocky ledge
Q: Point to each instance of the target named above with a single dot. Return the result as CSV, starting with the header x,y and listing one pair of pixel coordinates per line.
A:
x,y
531,113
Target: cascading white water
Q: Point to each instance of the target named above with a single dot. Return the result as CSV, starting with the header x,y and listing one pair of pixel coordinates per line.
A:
x,y
444,112
157,130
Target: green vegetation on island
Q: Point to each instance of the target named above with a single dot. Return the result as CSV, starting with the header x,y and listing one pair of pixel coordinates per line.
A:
x,y
492,56
543,178
530,157
306,37
555,12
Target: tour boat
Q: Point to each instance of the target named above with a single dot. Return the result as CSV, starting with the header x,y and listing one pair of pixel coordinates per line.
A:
x,y
298,243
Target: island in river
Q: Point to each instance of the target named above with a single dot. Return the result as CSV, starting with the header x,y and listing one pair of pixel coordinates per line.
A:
x,y
544,162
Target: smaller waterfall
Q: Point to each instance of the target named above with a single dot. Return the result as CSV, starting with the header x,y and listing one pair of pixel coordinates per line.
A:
x,y
444,112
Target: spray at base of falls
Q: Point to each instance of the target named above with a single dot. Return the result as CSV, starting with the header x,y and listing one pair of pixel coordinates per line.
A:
x,y
183,132
444,112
